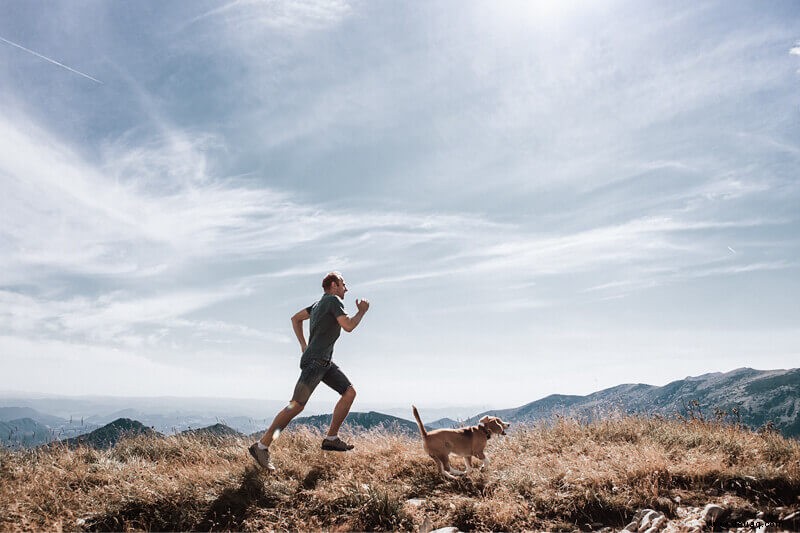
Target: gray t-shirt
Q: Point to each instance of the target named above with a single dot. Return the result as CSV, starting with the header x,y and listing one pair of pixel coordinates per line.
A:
x,y
324,329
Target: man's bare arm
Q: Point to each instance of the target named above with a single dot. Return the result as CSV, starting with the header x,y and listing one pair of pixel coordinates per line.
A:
x,y
349,323
297,326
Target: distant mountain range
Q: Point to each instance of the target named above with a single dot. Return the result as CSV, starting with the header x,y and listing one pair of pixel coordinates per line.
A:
x,y
166,414
362,421
15,413
27,427
108,435
171,415
752,397
24,433
174,422
444,423
215,431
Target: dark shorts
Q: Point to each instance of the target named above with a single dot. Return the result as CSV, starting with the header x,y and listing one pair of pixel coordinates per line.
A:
x,y
312,373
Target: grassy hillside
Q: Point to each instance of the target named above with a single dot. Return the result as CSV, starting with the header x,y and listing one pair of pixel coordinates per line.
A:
x,y
563,475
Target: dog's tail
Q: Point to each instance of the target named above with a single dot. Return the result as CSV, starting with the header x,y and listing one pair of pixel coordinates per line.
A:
x,y
419,422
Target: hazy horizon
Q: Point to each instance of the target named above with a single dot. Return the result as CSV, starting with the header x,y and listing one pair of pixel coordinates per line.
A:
x,y
316,405
536,197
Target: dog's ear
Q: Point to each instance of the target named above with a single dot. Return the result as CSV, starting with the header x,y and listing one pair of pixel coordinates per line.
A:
x,y
484,420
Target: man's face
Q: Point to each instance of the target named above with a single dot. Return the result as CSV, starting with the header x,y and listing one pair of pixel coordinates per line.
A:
x,y
339,288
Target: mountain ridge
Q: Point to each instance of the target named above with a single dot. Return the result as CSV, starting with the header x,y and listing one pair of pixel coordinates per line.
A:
x,y
218,430
107,436
8,414
24,433
744,395
362,421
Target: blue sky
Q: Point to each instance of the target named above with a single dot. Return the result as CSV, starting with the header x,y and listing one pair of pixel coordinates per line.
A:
x,y
536,197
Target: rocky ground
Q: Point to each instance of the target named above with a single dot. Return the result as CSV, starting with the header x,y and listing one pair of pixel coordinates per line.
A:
x,y
712,517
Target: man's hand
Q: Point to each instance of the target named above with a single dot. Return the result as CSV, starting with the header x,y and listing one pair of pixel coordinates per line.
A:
x,y
349,324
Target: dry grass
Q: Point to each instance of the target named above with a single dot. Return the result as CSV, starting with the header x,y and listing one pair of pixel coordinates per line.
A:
x,y
563,475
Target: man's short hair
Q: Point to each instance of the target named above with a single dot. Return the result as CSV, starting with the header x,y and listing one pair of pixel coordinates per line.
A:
x,y
329,279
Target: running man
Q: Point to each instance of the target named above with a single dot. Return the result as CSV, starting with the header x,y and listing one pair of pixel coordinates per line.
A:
x,y
328,319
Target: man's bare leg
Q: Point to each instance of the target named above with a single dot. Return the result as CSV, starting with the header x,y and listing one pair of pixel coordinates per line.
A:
x,y
282,419
341,410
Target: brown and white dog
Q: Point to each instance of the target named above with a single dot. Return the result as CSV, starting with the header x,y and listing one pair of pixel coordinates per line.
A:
x,y
467,442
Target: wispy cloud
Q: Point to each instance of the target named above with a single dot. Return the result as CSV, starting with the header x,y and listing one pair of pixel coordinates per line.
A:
x,y
423,274
129,226
342,263
104,318
86,223
741,269
650,278
626,285
255,16
639,241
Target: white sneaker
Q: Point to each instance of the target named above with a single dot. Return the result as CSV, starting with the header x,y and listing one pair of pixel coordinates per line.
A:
x,y
261,457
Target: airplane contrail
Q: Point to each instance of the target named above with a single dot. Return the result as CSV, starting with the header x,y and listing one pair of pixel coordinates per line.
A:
x,y
51,60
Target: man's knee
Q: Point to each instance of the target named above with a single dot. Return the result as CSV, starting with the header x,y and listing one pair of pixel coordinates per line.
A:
x,y
350,393
295,407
